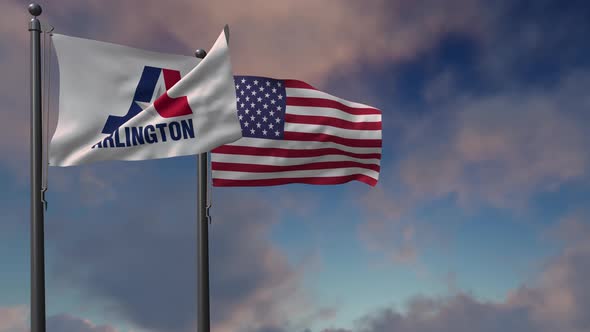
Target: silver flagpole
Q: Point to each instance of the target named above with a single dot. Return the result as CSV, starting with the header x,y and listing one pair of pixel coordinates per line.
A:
x,y
37,236
203,324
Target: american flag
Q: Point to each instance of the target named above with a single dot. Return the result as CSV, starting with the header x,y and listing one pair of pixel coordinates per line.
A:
x,y
294,133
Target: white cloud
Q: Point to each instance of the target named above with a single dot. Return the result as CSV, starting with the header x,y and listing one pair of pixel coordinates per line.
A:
x,y
14,319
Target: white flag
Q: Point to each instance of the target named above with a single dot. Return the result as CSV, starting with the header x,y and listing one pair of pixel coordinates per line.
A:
x,y
122,103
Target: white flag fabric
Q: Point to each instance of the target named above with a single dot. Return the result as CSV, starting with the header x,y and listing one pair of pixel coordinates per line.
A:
x,y
122,103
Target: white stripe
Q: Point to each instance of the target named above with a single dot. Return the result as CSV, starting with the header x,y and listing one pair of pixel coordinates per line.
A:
x,y
333,113
284,144
334,131
309,93
282,161
230,175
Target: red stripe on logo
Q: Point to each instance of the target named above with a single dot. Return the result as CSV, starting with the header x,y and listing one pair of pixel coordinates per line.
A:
x,y
169,107
171,77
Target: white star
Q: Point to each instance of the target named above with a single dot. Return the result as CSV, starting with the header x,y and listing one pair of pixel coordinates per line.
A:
x,y
252,118
272,113
265,106
247,111
278,83
267,95
267,83
241,117
252,105
247,98
273,101
248,86
254,93
258,112
271,126
252,131
242,105
258,125
243,80
261,89
238,99
242,92
279,108
259,99
278,120
246,124
280,97
277,133
237,87
255,82
263,119
274,90
264,132
143,105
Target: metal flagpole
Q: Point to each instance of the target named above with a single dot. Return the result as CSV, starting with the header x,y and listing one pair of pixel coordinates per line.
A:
x,y
37,236
203,324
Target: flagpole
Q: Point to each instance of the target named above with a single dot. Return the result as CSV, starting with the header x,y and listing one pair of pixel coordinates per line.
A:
x,y
37,236
203,317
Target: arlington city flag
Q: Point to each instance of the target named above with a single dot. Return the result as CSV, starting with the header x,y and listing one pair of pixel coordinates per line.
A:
x,y
122,103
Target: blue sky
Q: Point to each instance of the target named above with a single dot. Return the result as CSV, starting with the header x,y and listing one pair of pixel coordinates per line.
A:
x,y
477,224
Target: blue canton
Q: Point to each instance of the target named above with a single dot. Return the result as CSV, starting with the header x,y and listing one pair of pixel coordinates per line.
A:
x,y
261,106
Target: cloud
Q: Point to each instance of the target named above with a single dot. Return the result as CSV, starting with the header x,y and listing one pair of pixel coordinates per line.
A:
x,y
13,319
256,285
489,150
343,32
14,93
387,229
457,313
136,262
561,297
16,319
500,149
535,44
69,323
571,228
557,299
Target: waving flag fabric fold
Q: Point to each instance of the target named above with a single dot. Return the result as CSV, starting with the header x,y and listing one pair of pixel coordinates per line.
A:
x,y
294,133
121,103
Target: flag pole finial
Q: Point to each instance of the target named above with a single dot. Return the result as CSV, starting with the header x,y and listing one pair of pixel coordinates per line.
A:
x,y
35,9
200,53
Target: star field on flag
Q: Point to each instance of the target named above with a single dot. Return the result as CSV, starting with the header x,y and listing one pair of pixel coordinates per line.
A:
x,y
261,106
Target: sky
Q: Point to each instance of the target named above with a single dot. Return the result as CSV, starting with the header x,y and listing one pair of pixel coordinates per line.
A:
x,y
479,221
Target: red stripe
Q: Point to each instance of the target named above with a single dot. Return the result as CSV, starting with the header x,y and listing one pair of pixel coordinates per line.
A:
x,y
169,107
171,77
321,102
298,85
311,180
255,168
290,153
362,143
332,122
